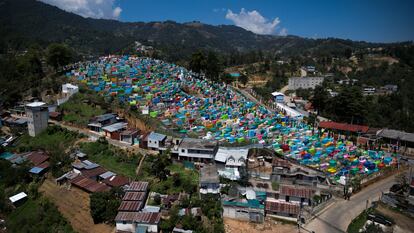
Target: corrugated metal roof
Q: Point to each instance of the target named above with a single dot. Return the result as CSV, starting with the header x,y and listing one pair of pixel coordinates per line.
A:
x,y
296,192
137,186
115,127
37,157
93,172
89,184
396,134
116,181
138,217
282,207
343,126
134,196
130,206
156,136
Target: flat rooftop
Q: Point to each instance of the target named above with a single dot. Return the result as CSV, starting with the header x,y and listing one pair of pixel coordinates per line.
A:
x,y
193,143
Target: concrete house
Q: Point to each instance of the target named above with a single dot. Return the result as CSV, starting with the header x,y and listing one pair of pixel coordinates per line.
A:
x,y
156,141
197,150
209,180
38,116
114,131
97,123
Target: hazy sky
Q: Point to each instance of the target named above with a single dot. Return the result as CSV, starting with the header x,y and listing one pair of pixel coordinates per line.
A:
x,y
370,20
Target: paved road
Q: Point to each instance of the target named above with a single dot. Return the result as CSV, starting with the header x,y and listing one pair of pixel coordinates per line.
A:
x,y
338,216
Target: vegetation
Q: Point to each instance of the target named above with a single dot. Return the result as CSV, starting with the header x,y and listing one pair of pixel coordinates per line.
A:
x,y
81,107
112,158
58,55
55,141
41,213
104,205
357,223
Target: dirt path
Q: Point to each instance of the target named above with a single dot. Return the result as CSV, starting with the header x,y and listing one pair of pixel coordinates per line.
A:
x,y
269,226
403,222
74,205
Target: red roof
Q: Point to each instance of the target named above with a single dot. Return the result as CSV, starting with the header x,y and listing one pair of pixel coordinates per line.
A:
x,y
89,184
37,157
343,126
138,217
137,186
282,207
44,165
134,196
296,192
116,181
130,206
93,172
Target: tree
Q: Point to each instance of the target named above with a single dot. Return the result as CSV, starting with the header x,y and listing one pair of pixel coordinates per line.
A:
x,y
197,62
319,98
104,205
58,55
243,79
213,66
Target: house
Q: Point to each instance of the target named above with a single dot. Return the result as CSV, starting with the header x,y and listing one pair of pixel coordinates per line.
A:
x,y
131,221
278,97
156,141
197,149
129,136
69,89
402,140
88,169
298,195
249,208
97,123
233,160
369,90
209,180
17,124
114,131
304,82
282,209
285,172
18,198
38,116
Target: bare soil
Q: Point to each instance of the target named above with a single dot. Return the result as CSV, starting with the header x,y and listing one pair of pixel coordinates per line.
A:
x,y
269,226
74,206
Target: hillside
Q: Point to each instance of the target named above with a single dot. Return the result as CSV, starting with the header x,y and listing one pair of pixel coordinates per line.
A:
x,y
23,22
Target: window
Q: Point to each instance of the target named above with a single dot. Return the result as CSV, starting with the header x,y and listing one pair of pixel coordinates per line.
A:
x,y
182,151
287,198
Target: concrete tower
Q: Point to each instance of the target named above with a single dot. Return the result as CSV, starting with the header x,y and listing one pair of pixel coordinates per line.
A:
x,y
38,116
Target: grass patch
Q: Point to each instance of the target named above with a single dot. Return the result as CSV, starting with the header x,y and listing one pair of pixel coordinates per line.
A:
x,y
81,107
180,180
54,138
358,222
112,158
36,216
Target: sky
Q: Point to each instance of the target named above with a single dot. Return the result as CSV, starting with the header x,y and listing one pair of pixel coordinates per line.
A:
x,y
368,20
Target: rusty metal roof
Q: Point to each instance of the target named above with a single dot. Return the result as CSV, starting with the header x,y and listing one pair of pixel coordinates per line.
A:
x,y
130,206
137,186
296,192
282,207
138,217
134,196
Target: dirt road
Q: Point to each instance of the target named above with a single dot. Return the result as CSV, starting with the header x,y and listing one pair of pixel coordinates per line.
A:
x,y
269,226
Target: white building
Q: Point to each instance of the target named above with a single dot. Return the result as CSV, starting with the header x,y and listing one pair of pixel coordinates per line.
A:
x,y
37,115
69,89
278,97
197,149
156,141
304,82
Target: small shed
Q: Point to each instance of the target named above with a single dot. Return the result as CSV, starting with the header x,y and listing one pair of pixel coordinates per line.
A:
x,y
18,198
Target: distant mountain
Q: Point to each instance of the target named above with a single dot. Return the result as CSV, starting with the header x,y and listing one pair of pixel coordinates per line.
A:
x,y
25,21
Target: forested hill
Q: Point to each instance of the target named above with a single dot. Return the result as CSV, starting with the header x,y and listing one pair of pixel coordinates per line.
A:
x,y
23,22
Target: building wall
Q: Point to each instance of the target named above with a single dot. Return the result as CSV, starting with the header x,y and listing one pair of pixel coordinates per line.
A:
x,y
37,120
304,83
129,227
153,144
202,154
